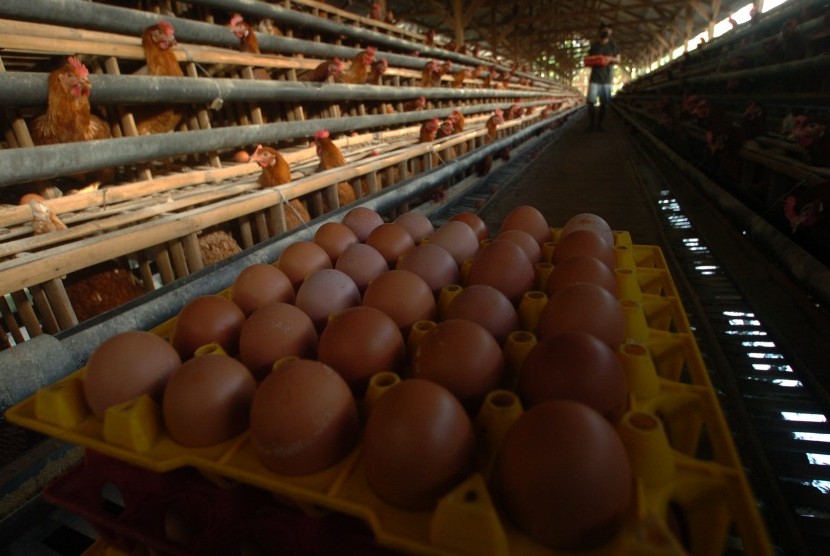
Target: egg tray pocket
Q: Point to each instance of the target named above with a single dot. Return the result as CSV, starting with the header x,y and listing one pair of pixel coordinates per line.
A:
x,y
692,495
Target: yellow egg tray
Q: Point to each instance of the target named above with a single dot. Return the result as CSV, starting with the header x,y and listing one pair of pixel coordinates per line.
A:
x,y
691,493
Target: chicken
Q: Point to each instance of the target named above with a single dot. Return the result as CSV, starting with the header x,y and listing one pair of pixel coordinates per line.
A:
x,y
100,288
390,17
358,71
458,120
68,117
459,77
810,132
247,38
379,68
415,104
429,38
376,12
445,129
723,141
268,27
754,121
428,131
514,112
157,41
331,157
492,124
324,70
43,219
440,71
247,42
805,207
276,171
428,73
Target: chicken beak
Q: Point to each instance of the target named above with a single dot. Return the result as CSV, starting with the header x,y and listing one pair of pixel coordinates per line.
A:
x,y
86,87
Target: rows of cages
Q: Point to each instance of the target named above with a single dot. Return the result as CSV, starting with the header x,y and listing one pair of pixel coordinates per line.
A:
x,y
183,105
750,110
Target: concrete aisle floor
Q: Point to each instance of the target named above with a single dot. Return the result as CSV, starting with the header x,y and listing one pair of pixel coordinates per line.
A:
x,y
583,172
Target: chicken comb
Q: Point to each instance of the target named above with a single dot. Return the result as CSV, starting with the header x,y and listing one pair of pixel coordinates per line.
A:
x,y
236,20
321,134
78,66
498,112
167,27
371,50
257,151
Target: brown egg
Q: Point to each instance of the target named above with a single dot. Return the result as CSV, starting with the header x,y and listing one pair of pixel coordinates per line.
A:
x,y
300,259
241,156
392,241
334,238
528,219
586,243
463,357
359,343
475,222
458,239
503,265
362,263
205,320
273,332
591,222
259,285
416,224
526,242
362,221
325,292
575,366
581,268
418,444
303,418
486,306
125,366
402,295
208,400
563,476
586,308
432,263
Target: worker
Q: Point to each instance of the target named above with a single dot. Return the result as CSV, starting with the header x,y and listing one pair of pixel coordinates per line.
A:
x,y
599,85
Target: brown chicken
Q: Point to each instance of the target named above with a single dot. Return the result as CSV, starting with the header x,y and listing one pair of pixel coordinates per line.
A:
x,y
331,157
415,104
492,134
68,119
429,129
43,219
459,77
379,68
428,72
276,171
243,31
457,120
324,70
247,42
157,41
445,129
429,38
358,71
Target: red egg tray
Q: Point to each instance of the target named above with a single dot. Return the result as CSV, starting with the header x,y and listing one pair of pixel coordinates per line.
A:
x,y
691,496
184,513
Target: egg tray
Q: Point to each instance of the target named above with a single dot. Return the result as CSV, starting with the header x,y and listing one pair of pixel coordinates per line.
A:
x,y
691,492
184,513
